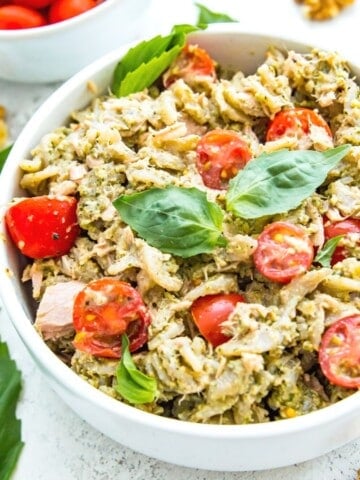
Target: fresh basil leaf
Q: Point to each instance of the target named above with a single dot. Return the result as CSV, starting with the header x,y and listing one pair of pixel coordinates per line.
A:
x,y
207,16
175,220
10,426
324,255
132,384
280,181
3,157
145,62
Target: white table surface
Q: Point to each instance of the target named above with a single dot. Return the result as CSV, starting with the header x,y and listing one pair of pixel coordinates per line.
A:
x,y
58,444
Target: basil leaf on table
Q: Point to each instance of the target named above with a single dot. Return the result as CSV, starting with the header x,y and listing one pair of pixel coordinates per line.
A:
x,y
145,62
132,384
207,16
10,426
175,220
324,255
280,181
3,157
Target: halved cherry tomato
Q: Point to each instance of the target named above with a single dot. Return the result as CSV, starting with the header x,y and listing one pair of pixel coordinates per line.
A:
x,y
64,9
210,311
220,155
37,4
192,62
350,225
43,226
103,311
284,251
13,17
339,353
295,122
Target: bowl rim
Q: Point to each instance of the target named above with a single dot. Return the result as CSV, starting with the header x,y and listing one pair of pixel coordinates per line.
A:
x,y
62,374
38,32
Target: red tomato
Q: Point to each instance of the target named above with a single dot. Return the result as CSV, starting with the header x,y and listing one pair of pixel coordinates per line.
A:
x,y
192,62
350,225
43,226
284,251
339,354
103,311
295,122
13,17
64,9
37,4
211,311
220,155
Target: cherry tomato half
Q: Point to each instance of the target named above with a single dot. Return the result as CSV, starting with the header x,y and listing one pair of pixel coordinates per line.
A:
x,y
37,4
14,17
220,155
64,9
295,122
284,251
350,225
192,62
210,311
103,311
339,353
43,226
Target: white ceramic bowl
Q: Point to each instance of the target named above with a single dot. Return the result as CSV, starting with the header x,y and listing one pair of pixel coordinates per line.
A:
x,y
55,52
224,448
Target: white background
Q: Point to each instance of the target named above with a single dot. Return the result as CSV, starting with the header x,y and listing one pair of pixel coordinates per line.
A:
x,y
58,444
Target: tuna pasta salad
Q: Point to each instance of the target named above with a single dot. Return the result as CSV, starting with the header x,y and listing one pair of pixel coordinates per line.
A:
x,y
193,235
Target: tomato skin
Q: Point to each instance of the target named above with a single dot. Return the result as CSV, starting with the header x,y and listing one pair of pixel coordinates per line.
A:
x,y
350,225
37,4
210,311
15,17
284,251
220,156
103,311
295,122
192,62
339,353
43,226
61,10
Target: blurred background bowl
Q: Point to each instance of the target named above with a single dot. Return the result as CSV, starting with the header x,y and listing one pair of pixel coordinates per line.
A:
x,y
57,51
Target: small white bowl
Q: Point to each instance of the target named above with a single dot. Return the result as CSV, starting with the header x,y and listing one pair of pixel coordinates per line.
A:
x,y
55,52
214,447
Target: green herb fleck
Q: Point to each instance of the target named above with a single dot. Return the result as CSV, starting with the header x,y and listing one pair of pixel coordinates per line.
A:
x,y
207,16
324,255
10,426
132,384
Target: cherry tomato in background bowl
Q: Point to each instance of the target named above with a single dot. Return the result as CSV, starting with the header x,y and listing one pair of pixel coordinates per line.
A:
x,y
13,17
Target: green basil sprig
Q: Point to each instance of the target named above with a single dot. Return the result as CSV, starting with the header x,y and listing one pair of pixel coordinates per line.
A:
x,y
207,16
280,181
175,220
324,255
3,157
10,426
145,62
132,384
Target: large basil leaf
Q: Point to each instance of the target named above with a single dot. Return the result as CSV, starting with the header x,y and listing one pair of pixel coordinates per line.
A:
x,y
3,156
280,181
10,426
132,384
175,220
145,62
